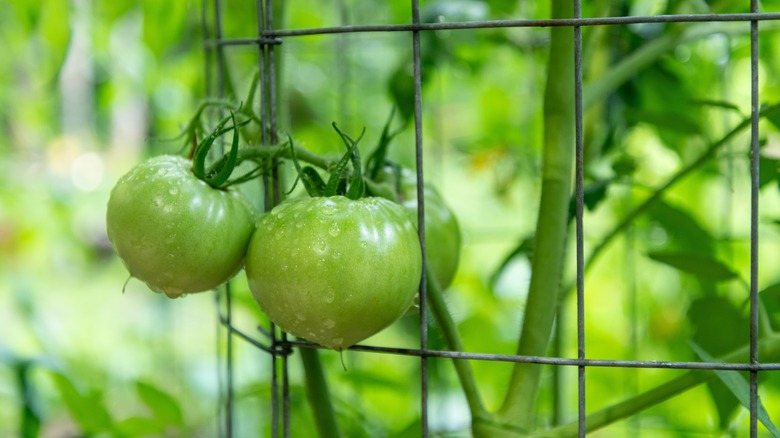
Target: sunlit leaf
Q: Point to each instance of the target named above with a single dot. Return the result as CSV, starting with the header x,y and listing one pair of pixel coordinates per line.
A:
x,y
741,390
165,407
684,230
704,267
140,427
88,411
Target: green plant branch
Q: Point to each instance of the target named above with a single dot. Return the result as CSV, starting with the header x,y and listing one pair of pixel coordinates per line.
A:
x,y
769,350
674,179
318,394
255,152
551,230
450,331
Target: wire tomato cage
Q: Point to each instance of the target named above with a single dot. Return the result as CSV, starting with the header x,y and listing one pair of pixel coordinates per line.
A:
x,y
269,40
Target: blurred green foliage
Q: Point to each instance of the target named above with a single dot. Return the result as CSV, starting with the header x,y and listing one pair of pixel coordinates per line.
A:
x,y
89,88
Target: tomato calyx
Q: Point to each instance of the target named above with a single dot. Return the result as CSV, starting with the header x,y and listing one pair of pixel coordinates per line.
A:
x,y
217,176
346,177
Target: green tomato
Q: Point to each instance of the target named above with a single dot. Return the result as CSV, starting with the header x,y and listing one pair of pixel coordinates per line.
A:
x,y
442,233
175,232
334,270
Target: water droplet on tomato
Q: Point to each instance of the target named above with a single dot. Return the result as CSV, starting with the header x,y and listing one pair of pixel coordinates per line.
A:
x,y
334,230
329,208
300,316
173,190
157,201
162,171
320,246
329,323
329,295
338,340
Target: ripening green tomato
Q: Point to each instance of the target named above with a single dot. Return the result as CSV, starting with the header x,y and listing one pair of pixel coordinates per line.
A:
x,y
334,270
175,232
442,233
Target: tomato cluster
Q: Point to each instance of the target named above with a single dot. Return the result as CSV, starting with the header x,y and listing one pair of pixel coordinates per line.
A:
x,y
332,269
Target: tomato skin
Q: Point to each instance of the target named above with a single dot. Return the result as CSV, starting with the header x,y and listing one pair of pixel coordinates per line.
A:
x,y
334,270
442,233
173,231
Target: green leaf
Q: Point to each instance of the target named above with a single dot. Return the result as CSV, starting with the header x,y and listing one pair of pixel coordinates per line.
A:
x,y
165,407
524,248
768,170
719,327
592,195
140,427
88,411
684,230
770,298
741,390
227,165
670,121
702,266
718,104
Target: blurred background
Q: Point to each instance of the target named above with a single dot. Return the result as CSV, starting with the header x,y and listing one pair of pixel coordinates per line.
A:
x,y
88,88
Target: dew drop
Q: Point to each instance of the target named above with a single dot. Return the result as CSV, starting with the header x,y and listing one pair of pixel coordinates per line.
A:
x,y
300,316
338,340
162,172
157,201
329,295
334,230
329,209
329,323
320,246
168,208
173,191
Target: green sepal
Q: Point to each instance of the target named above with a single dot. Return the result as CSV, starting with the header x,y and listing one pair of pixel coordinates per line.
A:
x,y
356,188
224,171
337,174
202,151
376,160
312,181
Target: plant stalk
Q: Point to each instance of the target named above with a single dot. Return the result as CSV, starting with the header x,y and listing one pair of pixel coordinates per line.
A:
x,y
450,332
551,230
318,394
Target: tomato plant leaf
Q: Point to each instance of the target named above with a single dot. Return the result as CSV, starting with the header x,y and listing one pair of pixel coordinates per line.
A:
x,y
592,195
524,248
140,427
768,170
675,122
740,388
719,327
165,407
770,298
88,411
723,104
684,230
702,266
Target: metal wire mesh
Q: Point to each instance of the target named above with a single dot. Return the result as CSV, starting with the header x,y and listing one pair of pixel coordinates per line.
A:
x,y
269,39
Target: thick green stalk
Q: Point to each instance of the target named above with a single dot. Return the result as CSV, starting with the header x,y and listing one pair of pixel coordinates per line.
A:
x,y
318,394
551,230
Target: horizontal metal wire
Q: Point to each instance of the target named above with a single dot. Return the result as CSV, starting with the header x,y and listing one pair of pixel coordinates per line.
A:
x,y
268,36
542,360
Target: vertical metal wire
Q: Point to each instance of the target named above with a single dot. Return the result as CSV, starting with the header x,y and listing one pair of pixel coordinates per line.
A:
x,y
229,398
754,191
420,218
579,174
267,76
